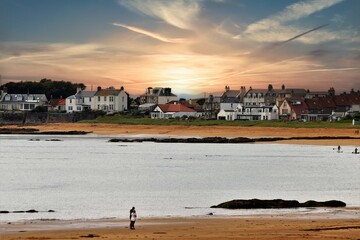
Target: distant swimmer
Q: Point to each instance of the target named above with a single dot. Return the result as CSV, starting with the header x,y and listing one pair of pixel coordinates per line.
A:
x,y
355,151
339,148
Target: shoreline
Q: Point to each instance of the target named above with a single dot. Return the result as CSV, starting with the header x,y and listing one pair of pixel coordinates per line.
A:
x,y
278,226
102,129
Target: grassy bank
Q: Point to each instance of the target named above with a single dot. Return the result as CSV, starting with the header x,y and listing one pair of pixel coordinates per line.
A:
x,y
198,122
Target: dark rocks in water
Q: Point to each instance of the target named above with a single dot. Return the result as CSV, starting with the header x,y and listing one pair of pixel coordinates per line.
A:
x,y
31,211
331,203
222,139
28,211
257,203
53,140
276,203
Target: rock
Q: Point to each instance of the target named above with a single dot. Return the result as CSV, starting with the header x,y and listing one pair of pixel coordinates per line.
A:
x,y
331,203
4,212
276,203
257,203
51,210
18,211
31,211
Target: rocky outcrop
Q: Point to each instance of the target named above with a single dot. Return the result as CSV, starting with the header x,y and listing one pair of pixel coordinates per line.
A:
x,y
223,139
276,203
27,211
34,131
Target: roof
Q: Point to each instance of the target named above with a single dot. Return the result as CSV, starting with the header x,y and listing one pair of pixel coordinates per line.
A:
x,y
231,93
175,108
57,102
11,97
108,92
300,107
82,94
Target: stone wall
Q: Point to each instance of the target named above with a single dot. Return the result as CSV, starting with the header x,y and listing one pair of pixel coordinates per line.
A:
x,y
29,118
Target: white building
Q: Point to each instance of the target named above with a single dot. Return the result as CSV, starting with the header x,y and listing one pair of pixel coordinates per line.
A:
x,y
80,101
157,95
21,102
250,113
166,111
111,100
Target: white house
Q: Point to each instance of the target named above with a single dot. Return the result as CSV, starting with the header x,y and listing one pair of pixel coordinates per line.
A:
x,y
250,113
21,102
157,96
111,100
80,101
166,111
255,97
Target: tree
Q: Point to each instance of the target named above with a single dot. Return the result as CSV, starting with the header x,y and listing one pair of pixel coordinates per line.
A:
x,y
270,87
52,89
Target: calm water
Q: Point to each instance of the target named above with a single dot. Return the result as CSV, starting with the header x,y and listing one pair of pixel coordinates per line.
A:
x,y
85,177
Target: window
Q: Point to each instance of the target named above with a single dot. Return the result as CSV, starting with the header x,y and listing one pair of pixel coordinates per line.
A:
x,y
19,98
98,107
78,108
70,108
70,100
99,98
123,99
105,98
111,98
111,107
89,99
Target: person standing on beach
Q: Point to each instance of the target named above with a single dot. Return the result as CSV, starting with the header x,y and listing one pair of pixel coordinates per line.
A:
x,y
132,218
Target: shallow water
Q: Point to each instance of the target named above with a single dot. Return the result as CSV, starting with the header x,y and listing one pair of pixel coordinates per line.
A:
x,y
87,177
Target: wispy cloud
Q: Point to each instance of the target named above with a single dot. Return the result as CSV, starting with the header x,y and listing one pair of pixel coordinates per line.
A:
x,y
179,13
292,12
148,33
278,27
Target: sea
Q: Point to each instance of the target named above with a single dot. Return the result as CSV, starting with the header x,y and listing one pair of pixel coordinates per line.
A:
x,y
88,177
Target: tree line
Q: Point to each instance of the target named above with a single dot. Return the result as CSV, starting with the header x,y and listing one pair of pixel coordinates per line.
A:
x,y
52,89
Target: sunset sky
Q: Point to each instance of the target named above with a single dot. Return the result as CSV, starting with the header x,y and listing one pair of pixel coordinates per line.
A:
x,y
192,46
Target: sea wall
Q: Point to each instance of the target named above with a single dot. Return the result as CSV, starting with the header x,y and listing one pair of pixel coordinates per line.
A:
x,y
30,118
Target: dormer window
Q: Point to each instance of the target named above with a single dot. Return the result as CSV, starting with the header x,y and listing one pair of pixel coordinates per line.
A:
x,y
19,97
7,97
31,98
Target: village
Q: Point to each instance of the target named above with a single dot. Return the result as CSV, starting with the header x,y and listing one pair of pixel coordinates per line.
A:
x,y
247,104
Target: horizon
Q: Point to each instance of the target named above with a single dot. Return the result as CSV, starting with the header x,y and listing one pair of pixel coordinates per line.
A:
x,y
192,46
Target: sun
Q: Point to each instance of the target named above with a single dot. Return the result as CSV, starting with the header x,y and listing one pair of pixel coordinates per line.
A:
x,y
183,79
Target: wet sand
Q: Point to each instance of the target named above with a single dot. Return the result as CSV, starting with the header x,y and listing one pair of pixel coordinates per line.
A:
x,y
210,131
245,227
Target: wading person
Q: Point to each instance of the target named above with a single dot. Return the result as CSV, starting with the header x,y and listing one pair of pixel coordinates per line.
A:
x,y
132,218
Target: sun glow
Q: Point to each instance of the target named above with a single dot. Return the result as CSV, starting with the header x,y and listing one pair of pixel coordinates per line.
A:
x,y
183,79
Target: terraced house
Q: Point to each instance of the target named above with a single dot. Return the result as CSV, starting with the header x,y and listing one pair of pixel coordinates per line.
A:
x,y
111,100
21,102
107,100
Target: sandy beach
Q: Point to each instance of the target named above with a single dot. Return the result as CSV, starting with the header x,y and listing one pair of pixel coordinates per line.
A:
x,y
337,225
245,227
209,131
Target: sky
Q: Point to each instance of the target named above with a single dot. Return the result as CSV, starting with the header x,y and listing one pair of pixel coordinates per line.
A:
x,y
195,47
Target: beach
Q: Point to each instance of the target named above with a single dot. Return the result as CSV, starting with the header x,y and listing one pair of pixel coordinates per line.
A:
x,y
208,131
337,224
246,227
